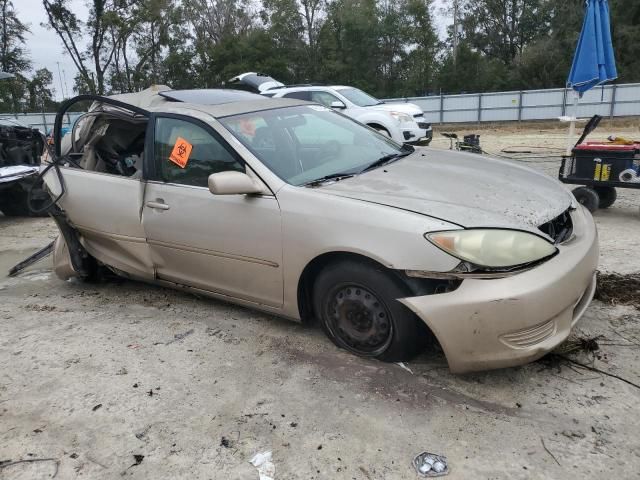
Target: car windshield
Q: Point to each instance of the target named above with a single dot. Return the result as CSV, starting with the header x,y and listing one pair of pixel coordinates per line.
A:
x,y
359,98
304,144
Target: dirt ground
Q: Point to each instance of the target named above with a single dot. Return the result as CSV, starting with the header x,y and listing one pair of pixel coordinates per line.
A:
x,y
94,375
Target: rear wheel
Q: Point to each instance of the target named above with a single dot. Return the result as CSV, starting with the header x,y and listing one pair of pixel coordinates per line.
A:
x,y
357,305
607,196
588,197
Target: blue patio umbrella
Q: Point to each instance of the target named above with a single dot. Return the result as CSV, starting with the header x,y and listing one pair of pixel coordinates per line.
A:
x,y
593,62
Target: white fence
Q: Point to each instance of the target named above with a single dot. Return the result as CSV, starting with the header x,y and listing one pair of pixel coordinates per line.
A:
x,y
607,101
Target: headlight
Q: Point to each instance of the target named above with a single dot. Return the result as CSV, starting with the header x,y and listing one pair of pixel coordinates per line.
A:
x,y
401,117
493,248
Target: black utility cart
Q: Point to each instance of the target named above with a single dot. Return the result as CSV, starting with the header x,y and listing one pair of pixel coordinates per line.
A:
x,y
600,167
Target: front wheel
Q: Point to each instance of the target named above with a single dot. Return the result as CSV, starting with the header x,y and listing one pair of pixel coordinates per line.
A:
x,y
358,309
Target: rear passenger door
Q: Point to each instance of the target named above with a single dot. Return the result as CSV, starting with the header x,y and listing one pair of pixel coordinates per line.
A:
x,y
227,244
324,98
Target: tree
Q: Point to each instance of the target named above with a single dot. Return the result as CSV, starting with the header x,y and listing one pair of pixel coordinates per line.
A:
x,y
13,56
418,65
40,92
102,31
348,44
312,10
502,29
285,29
214,23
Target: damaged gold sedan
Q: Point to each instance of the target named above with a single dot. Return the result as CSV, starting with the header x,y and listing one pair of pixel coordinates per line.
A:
x,y
291,208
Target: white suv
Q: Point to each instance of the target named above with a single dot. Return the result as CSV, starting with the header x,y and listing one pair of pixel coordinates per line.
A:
x,y
403,122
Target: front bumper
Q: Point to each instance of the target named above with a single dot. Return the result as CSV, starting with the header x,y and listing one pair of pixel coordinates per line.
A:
x,y
495,323
417,136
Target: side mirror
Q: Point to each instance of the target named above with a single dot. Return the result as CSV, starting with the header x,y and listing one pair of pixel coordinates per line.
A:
x,y
338,104
233,183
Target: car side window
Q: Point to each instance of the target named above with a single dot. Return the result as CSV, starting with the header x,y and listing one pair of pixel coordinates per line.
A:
x,y
187,154
325,98
298,95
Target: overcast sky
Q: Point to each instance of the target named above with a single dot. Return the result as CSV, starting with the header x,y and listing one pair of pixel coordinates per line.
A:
x,y
46,49
44,46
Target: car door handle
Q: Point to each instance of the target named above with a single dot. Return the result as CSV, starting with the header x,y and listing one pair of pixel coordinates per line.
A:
x,y
158,204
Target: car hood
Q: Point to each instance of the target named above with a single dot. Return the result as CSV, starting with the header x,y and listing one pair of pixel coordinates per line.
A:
x,y
466,189
408,108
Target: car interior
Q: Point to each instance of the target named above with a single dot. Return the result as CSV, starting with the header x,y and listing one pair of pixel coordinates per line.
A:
x,y
107,142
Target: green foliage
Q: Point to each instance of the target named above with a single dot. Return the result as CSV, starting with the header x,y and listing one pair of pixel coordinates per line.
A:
x,y
386,47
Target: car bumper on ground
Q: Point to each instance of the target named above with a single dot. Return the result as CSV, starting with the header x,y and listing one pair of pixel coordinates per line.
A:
x,y
495,323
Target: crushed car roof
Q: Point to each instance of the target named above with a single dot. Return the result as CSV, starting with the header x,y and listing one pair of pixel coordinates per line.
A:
x,y
211,96
216,102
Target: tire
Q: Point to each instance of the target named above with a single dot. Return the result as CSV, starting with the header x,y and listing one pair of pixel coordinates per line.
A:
x,y
356,305
588,197
607,195
14,203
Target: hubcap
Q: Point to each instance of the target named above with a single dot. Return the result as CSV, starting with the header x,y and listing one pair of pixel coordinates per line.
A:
x,y
359,320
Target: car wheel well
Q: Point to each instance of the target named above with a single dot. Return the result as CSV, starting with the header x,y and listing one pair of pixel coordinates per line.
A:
x,y
414,286
377,126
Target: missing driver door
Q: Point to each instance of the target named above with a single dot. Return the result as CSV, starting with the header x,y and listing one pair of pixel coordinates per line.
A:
x,y
228,244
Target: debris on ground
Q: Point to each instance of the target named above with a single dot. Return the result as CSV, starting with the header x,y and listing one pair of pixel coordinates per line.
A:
x,y
403,366
137,460
97,407
39,255
430,465
572,434
549,452
179,336
266,468
225,442
578,344
617,289
8,463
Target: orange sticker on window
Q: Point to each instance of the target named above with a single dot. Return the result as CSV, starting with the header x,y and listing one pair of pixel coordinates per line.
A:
x,y
180,153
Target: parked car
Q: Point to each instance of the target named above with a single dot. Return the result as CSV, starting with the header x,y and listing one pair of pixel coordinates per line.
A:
x,y
296,210
20,150
403,122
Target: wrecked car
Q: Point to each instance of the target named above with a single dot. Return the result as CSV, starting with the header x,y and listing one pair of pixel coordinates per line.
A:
x,y
20,151
294,209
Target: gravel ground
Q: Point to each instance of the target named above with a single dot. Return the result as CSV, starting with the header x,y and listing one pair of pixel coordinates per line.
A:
x,y
94,375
